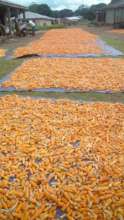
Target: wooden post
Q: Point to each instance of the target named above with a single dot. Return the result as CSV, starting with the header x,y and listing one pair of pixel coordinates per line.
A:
x,y
16,16
97,18
24,16
9,18
115,18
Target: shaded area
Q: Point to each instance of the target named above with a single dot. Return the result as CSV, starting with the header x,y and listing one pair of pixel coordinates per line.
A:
x,y
29,56
79,96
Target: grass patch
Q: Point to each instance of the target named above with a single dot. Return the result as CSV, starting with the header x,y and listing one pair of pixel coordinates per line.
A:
x,y
6,66
48,27
116,43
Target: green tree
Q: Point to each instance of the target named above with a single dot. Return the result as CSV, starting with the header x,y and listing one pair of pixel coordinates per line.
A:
x,y
65,13
34,8
89,12
43,9
97,7
82,11
55,14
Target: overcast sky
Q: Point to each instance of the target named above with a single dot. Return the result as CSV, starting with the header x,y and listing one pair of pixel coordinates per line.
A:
x,y
60,4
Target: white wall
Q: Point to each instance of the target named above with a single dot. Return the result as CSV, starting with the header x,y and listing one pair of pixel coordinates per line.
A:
x,y
43,22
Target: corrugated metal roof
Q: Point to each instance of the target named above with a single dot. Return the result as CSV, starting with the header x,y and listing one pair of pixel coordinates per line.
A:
x,y
119,4
11,4
32,16
74,18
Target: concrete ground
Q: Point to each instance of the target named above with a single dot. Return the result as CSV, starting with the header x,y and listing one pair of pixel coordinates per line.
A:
x,y
115,40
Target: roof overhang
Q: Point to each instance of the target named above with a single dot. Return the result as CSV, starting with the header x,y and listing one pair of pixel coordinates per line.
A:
x,y
34,16
115,6
12,5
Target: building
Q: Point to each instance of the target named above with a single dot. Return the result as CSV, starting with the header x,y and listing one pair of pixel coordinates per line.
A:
x,y
115,14
71,20
101,16
39,19
9,10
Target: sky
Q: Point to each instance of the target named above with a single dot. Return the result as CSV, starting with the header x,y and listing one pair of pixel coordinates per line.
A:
x,y
61,4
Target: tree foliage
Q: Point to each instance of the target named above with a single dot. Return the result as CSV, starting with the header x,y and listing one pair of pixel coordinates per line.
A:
x,y
84,11
66,13
43,9
89,12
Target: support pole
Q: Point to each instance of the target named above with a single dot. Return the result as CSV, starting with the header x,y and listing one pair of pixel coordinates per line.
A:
x,y
9,19
17,13
24,15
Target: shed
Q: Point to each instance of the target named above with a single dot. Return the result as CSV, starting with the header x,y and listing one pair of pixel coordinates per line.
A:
x,y
115,14
8,10
71,20
38,18
101,16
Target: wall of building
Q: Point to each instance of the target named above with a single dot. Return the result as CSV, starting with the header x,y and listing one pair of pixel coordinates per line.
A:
x,y
115,16
43,22
119,16
101,16
110,16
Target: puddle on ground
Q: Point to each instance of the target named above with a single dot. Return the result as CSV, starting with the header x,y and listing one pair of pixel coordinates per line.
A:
x,y
77,96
